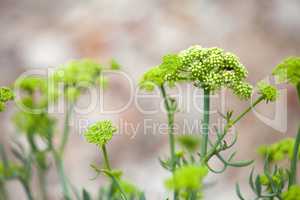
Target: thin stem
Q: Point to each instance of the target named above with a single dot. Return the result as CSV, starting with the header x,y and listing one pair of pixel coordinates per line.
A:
x,y
61,175
170,114
105,155
257,101
228,126
66,132
108,167
205,129
3,192
27,190
293,168
42,182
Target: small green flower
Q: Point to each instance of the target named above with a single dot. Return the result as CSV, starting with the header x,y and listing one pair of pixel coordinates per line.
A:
x,y
30,123
278,151
31,84
152,78
100,133
278,178
6,94
188,178
114,65
293,193
289,70
267,91
189,142
80,73
129,189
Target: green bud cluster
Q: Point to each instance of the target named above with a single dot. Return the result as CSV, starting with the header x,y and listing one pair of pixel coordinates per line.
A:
x,y
208,68
277,178
267,91
289,70
189,142
293,193
78,75
100,133
33,118
278,151
188,177
5,95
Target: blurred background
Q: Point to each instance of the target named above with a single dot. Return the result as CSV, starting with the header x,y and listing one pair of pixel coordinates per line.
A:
x,y
137,33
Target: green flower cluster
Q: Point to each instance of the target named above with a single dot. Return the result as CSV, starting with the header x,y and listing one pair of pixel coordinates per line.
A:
x,y
100,133
78,75
289,70
278,151
33,117
189,142
187,178
5,95
267,91
277,178
293,193
208,68
129,189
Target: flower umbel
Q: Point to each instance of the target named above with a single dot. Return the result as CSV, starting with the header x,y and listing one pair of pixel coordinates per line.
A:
x,y
278,151
188,177
5,95
267,91
100,133
207,68
289,70
293,193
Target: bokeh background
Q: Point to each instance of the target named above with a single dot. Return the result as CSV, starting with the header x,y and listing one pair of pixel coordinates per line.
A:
x,y
137,33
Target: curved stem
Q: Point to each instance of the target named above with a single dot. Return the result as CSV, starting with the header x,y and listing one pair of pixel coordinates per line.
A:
x,y
170,114
205,126
228,126
66,132
293,168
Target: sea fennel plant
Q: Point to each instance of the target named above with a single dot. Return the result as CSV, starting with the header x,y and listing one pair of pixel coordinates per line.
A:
x,y
35,95
279,181
209,69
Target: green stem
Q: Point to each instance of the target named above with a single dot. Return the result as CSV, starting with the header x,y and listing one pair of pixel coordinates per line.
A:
x,y
293,169
105,155
27,190
205,129
108,167
228,126
61,175
170,114
66,132
3,192
42,182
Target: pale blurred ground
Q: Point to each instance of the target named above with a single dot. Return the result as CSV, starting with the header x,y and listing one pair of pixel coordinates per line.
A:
x,y
137,33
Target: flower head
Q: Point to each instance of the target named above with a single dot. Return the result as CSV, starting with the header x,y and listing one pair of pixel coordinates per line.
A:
x,y
188,177
100,133
267,91
289,70
189,142
5,95
208,68
278,151
77,76
293,193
